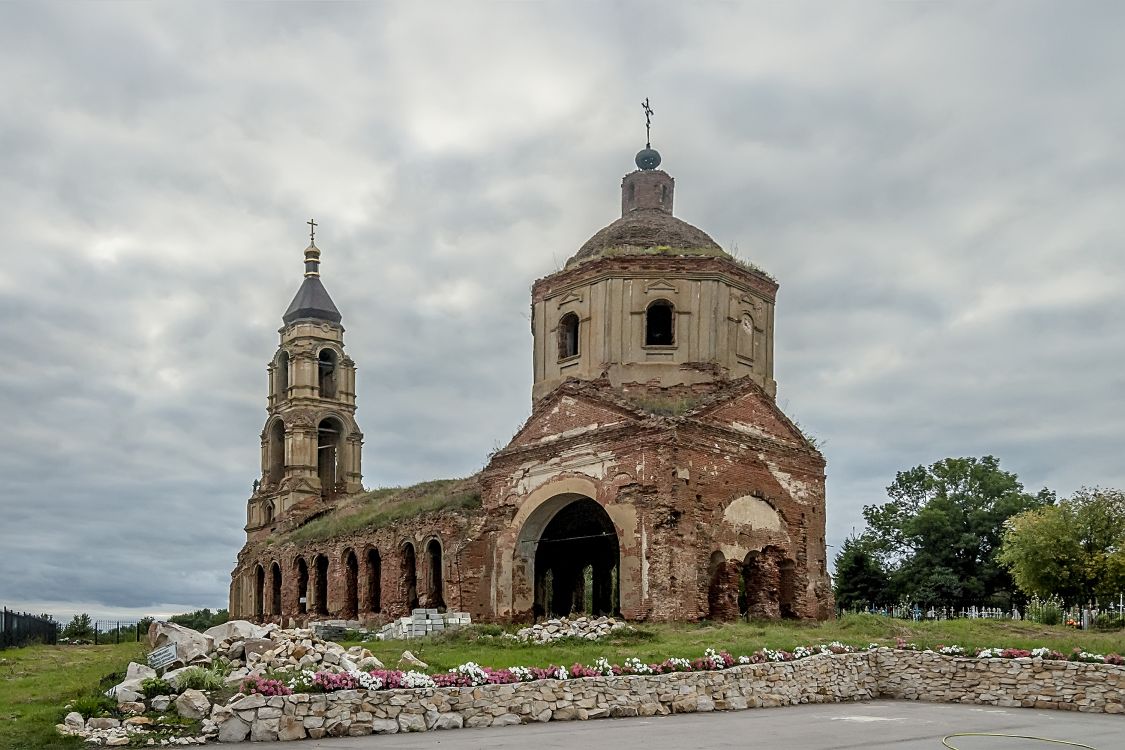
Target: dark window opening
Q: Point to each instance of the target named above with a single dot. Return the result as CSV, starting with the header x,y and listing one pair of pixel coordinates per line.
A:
x,y
409,576
663,195
259,592
433,553
568,336
267,513
326,365
275,589
302,586
351,584
659,328
374,582
320,595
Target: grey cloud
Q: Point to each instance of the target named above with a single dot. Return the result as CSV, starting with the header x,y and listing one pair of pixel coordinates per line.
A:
x,y
937,190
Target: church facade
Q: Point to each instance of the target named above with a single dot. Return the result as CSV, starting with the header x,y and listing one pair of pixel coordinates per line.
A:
x,y
656,478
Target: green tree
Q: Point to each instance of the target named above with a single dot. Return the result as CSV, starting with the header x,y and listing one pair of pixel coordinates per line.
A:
x,y
939,535
80,626
860,581
1074,550
201,619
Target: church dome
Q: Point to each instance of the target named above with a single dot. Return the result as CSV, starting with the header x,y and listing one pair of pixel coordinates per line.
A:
x,y
648,231
647,226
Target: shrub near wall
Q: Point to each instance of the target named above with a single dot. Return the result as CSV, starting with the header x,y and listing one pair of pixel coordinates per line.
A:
x,y
833,678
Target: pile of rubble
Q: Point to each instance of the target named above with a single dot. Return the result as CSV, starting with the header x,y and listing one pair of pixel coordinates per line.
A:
x,y
135,729
248,650
587,628
422,622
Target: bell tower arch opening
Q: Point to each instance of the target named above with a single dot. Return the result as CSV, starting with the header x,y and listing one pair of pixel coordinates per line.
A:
x,y
326,373
577,560
329,450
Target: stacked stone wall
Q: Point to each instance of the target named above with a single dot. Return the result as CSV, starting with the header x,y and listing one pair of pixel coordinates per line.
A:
x,y
1029,683
824,679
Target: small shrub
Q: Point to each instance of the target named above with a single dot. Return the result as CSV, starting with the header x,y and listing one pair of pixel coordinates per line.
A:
x,y
91,705
155,686
1108,621
198,678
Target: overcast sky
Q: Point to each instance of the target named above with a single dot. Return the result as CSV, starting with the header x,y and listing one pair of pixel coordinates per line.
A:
x,y
938,188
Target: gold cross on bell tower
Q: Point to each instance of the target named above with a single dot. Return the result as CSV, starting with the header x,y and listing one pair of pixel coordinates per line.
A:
x,y
312,230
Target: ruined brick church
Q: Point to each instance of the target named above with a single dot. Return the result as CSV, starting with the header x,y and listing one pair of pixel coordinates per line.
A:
x,y
655,479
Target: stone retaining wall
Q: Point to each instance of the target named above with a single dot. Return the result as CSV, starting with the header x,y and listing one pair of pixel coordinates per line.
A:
x,y
822,679
1030,683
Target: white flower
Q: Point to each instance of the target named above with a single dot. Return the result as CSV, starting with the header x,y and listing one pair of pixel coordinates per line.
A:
x,y
1042,652
561,673
744,660
413,679
523,674
476,674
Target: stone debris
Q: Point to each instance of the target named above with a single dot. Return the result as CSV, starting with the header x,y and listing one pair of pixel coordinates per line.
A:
x,y
587,628
421,623
192,647
409,661
272,649
136,730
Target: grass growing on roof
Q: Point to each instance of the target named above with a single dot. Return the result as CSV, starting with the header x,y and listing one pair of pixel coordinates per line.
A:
x,y
655,642
380,507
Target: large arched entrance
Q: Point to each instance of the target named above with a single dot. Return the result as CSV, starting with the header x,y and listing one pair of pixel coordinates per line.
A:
x,y
577,562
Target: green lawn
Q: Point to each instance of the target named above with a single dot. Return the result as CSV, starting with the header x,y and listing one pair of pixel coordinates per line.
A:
x,y
36,681
656,642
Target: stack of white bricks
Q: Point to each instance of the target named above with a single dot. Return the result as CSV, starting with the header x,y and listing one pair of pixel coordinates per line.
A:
x,y
421,623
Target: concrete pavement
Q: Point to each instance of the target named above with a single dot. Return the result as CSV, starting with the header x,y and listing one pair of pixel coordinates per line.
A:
x,y
877,725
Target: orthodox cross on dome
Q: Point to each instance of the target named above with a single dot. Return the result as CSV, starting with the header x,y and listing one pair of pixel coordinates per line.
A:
x,y
312,229
648,122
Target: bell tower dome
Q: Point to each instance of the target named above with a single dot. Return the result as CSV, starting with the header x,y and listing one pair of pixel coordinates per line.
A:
x,y
311,443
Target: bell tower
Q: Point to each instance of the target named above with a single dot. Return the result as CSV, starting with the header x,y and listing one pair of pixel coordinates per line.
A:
x,y
311,444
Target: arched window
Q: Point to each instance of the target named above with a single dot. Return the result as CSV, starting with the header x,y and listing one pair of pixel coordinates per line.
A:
x,y
374,581
281,375
276,452
329,442
326,366
568,336
267,512
351,584
659,325
320,593
275,589
302,585
410,575
433,553
259,591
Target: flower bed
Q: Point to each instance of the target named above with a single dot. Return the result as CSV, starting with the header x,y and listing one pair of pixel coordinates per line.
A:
x,y
471,674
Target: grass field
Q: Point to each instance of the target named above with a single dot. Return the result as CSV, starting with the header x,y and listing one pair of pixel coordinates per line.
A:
x,y
36,681
657,642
